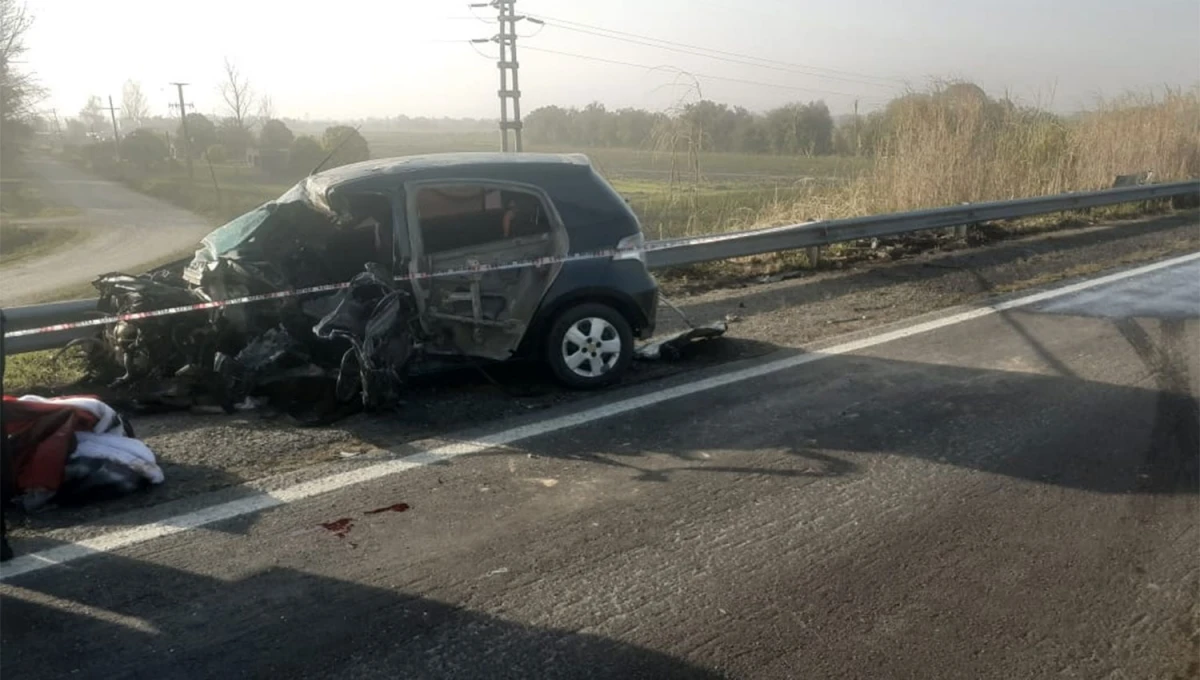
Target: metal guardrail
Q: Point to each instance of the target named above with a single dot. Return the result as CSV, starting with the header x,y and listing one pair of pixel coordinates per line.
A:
x,y
36,316
737,244
773,239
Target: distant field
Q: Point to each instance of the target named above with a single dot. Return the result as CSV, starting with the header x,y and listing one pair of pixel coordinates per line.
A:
x,y
639,163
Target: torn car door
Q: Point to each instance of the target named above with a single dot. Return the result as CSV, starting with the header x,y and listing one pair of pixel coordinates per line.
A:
x,y
480,224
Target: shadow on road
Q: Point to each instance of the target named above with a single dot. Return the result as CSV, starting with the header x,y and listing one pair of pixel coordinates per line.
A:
x,y
1057,428
151,621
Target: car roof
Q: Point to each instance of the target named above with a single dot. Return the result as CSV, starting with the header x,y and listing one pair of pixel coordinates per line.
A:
x,y
436,164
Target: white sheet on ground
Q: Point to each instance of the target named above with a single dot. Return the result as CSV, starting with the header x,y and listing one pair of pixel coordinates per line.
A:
x,y
131,453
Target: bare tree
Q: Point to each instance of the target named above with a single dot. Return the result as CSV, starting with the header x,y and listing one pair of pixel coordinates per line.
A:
x,y
238,96
19,89
133,103
266,108
92,114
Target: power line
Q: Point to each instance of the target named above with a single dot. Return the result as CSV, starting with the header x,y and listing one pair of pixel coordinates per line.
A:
x,y
723,52
477,50
803,68
476,16
541,26
694,74
720,58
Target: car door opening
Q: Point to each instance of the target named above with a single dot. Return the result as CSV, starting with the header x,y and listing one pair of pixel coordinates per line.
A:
x,y
464,225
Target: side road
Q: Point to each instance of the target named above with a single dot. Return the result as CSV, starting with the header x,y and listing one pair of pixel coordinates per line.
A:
x,y
124,229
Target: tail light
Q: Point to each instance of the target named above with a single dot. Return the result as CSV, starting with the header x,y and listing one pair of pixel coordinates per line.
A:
x,y
631,248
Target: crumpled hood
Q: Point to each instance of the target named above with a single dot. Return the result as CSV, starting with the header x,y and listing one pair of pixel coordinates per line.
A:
x,y
242,232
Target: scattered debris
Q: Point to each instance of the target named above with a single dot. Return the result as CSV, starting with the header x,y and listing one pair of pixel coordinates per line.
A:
x,y
671,347
397,507
497,572
849,319
782,276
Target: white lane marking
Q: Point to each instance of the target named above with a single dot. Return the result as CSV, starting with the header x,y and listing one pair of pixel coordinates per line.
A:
x,y
217,513
76,609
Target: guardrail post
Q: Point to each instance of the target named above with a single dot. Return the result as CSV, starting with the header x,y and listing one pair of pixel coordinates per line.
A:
x,y
960,232
814,256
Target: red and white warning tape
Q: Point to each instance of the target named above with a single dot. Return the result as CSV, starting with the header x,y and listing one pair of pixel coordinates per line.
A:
x,y
459,271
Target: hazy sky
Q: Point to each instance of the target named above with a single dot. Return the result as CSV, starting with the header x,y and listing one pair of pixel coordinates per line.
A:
x,y
353,58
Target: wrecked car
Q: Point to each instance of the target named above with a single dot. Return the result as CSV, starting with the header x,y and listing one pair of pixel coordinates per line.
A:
x,y
519,234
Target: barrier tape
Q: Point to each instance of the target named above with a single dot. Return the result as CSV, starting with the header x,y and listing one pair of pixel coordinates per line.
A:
x,y
330,287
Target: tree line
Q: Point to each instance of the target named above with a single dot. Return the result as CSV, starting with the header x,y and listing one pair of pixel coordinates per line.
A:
x,y
797,128
280,152
247,121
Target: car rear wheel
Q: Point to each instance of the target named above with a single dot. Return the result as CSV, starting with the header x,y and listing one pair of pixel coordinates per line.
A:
x,y
589,346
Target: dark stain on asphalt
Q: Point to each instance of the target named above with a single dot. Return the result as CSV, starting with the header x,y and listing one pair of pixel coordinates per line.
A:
x,y
398,507
339,527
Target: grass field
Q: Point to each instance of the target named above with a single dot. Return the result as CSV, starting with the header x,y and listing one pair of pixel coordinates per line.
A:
x,y
41,372
620,163
20,241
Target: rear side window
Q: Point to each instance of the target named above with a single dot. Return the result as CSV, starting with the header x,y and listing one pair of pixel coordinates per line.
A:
x,y
461,216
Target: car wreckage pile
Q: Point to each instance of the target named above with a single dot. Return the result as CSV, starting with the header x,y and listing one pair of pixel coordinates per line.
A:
x,y
316,357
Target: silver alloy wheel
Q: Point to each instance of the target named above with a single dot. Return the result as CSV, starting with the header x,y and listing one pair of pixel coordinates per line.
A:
x,y
591,347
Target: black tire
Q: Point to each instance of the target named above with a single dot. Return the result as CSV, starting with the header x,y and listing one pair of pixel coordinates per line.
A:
x,y
597,323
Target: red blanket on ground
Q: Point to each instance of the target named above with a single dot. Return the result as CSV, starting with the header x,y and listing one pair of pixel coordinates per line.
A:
x,y
43,437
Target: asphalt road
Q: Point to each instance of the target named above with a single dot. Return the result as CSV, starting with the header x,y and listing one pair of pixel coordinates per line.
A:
x,y
125,229
1001,493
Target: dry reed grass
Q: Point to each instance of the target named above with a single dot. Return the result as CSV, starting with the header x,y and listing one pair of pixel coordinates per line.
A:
x,y
953,145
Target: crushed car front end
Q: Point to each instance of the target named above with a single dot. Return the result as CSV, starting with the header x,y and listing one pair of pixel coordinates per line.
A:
x,y
319,350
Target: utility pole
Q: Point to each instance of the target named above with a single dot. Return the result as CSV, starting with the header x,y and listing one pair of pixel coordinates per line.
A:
x,y
57,127
506,38
112,111
187,137
857,135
